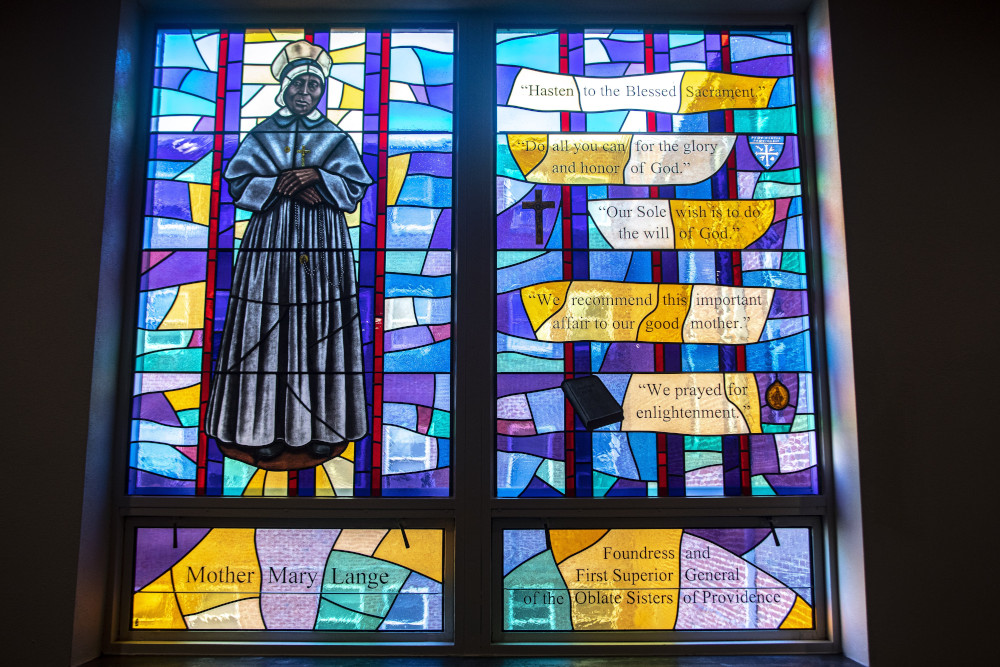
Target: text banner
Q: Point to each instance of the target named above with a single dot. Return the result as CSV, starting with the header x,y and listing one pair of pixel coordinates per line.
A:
x,y
605,311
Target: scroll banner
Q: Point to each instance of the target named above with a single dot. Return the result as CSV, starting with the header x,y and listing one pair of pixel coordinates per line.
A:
x,y
692,403
606,311
615,159
682,224
608,590
668,92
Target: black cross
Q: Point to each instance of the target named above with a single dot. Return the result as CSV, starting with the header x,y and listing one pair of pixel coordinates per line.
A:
x,y
538,205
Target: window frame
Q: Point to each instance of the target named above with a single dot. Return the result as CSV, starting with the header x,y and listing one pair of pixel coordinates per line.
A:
x,y
472,515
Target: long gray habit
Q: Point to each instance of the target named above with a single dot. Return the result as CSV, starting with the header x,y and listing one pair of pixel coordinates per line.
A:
x,y
289,366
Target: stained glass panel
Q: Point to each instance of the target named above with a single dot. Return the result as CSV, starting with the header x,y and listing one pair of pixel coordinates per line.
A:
x,y
288,579
657,579
650,232
295,339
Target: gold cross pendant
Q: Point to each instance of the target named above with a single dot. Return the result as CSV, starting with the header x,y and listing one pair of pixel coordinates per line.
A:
x,y
301,151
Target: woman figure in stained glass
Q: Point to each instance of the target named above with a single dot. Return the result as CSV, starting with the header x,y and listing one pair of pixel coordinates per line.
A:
x,y
288,389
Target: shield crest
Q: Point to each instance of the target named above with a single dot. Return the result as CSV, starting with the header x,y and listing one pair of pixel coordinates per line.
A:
x,y
766,148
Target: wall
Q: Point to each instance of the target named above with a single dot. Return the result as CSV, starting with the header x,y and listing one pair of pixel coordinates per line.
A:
x,y
62,70
919,227
917,210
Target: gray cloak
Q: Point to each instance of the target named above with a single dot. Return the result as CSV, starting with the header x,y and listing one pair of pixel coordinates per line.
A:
x,y
289,366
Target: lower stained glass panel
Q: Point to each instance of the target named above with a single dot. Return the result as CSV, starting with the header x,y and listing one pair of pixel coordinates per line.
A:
x,y
288,579
658,579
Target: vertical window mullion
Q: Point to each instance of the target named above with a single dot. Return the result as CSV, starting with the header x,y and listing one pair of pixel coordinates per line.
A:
x,y
473,360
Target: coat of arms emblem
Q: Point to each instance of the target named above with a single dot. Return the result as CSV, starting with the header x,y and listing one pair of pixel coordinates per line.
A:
x,y
766,148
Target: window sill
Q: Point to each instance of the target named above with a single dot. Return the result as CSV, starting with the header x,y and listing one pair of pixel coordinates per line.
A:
x,y
683,661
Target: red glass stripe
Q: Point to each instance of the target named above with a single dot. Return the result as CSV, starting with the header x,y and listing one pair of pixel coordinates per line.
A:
x,y
649,68
737,281
564,69
379,306
201,457
731,173
661,464
659,349
726,67
745,488
567,244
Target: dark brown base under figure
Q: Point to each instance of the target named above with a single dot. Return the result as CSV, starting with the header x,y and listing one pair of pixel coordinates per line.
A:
x,y
289,458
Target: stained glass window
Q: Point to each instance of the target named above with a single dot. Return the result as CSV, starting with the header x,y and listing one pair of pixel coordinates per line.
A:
x,y
288,579
655,316
650,233
294,338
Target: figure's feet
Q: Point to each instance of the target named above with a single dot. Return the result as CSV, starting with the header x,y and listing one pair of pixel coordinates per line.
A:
x,y
269,451
320,449
265,453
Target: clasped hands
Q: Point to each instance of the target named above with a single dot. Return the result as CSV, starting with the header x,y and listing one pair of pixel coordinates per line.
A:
x,y
300,184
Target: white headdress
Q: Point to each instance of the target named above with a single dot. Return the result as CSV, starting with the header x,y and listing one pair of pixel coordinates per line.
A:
x,y
296,59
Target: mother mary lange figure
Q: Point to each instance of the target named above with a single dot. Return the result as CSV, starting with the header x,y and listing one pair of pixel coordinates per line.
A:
x,y
288,389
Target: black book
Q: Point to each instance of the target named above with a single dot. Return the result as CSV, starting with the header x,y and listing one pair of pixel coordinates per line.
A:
x,y
594,404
